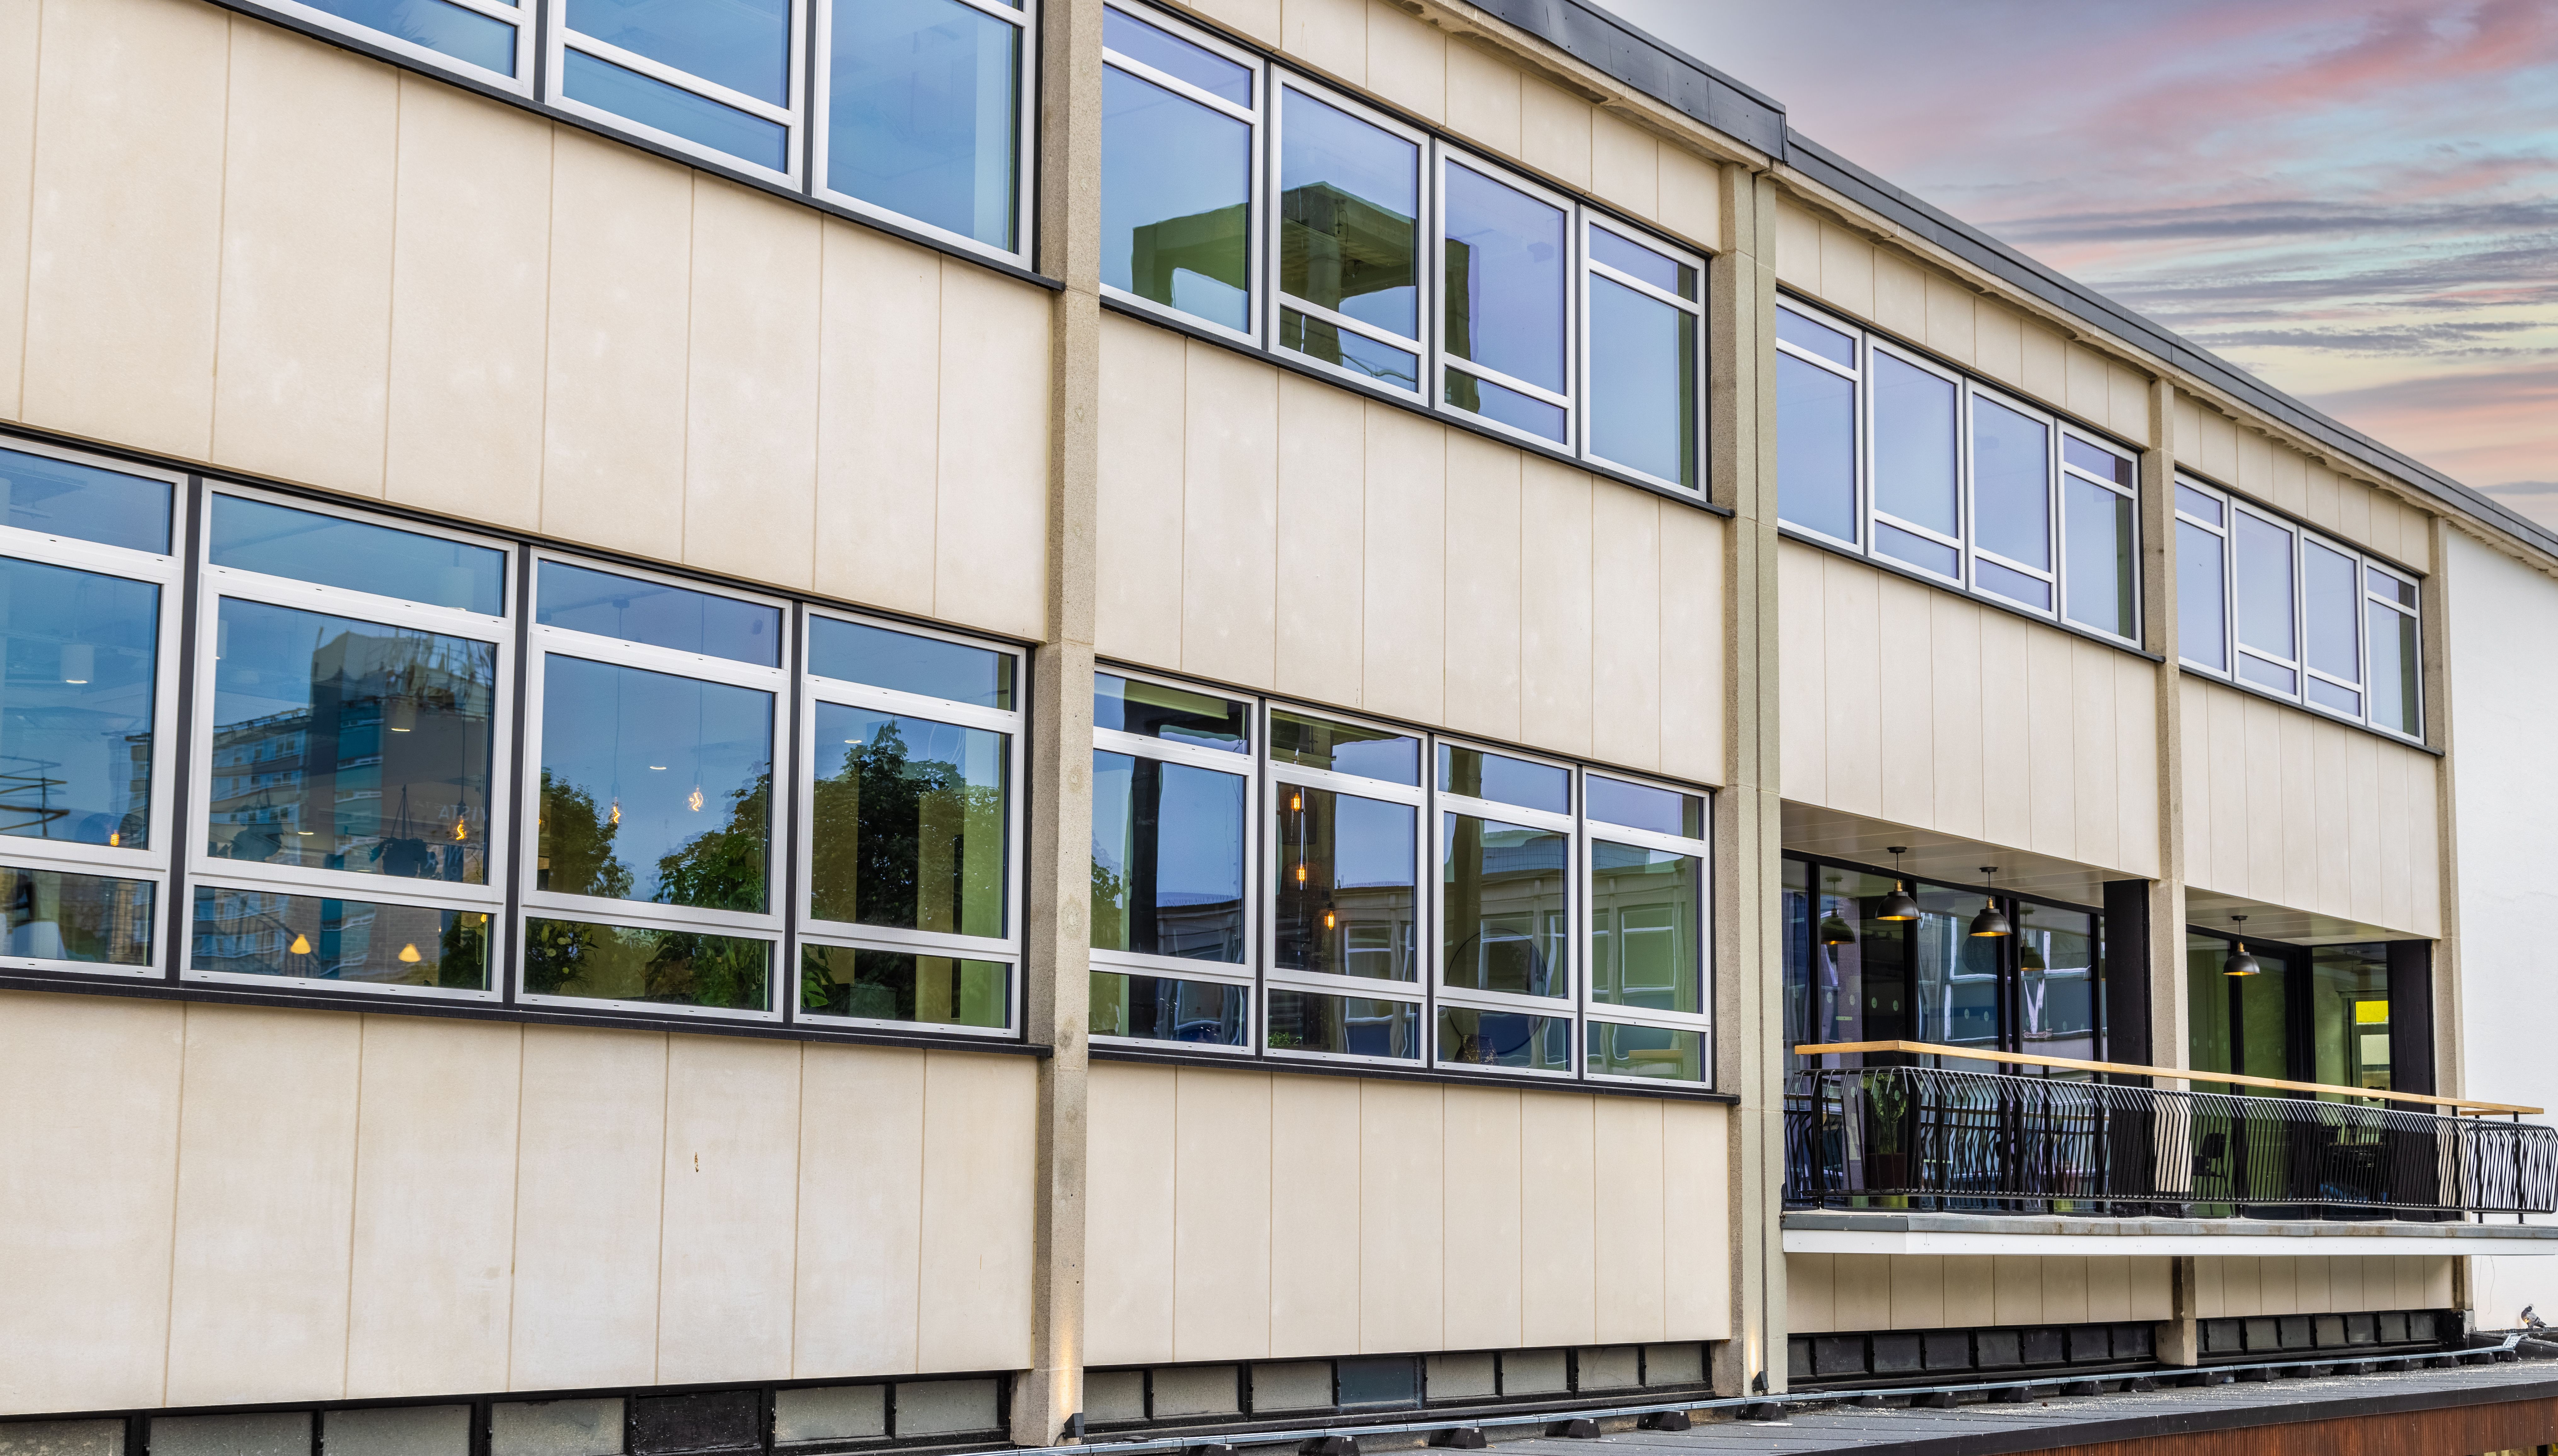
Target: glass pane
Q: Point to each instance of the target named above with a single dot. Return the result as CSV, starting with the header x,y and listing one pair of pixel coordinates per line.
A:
x,y
2034,591
1176,200
1348,194
1160,1009
675,110
899,985
742,45
1347,878
279,541
2207,1003
2266,674
1642,382
2096,461
1618,1050
2332,612
1917,459
1175,56
1857,986
2328,695
1816,448
464,35
1953,974
1176,715
1794,919
2012,483
655,787
261,933
1504,779
1167,859
922,114
1503,405
344,744
1502,907
1918,551
85,502
2350,1015
2391,588
929,667
2100,579
87,918
1646,928
1640,806
1633,259
2197,504
1349,348
2265,586
1505,263
1510,1039
624,963
2202,607
908,829
76,717
1817,338
1316,742
2056,990
1345,1025
582,599
2394,679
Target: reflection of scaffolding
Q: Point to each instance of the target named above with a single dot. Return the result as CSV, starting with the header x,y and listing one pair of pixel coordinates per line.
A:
x,y
21,817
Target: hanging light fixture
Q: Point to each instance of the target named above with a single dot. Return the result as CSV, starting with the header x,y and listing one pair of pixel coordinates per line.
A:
x,y
2029,957
1896,905
2241,963
1990,922
1835,931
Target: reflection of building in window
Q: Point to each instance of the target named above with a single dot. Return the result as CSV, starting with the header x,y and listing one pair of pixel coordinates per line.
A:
x,y
1209,245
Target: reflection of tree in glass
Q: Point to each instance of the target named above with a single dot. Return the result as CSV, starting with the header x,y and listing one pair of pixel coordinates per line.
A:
x,y
625,964
577,845
464,957
891,842
722,869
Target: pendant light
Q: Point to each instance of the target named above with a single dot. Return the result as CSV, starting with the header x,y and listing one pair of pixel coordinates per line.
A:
x,y
1898,905
1989,922
1835,931
2242,963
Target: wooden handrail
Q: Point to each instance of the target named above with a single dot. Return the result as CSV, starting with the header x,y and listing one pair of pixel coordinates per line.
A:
x,y
2458,1105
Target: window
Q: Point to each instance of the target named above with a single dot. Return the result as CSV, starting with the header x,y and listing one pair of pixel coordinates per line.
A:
x,y
910,818
718,81
88,661
351,751
1646,322
1179,170
1348,246
924,117
653,736
485,39
1404,899
1892,454
1506,306
2294,613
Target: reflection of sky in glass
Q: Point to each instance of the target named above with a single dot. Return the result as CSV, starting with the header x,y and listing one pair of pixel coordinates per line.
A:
x,y
76,714
1170,54
857,652
1637,261
1168,851
923,113
742,45
1176,191
1506,279
651,102
464,35
63,499
1915,451
2202,620
2264,584
1504,779
582,599
1349,192
2327,580
1642,382
2011,484
667,776
1815,447
329,550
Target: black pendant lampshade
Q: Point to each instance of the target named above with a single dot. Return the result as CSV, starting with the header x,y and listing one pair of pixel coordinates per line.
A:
x,y
2241,963
1990,922
1898,905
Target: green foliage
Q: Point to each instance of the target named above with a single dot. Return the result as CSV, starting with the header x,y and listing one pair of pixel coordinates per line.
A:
x,y
577,844
722,869
869,845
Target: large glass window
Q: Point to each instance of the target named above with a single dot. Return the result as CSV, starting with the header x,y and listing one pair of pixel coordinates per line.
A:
x,y
1345,871
1177,171
653,785
925,114
913,750
1349,226
1506,308
350,753
1644,381
716,80
485,39
1648,919
1506,904
1890,453
2300,616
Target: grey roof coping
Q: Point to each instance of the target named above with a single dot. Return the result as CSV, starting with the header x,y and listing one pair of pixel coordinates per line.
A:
x,y
1650,66
1913,1221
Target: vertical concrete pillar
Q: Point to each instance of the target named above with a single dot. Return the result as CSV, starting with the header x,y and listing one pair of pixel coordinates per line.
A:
x,y
2179,1338
1056,933
1749,1004
2434,607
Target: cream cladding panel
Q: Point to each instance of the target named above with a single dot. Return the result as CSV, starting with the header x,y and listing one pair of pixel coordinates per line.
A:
x,y
2229,454
1266,530
1927,1291
482,1205
2289,808
1241,1215
1907,703
225,242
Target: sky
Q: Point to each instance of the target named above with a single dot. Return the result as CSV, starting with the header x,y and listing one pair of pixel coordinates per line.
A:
x,y
2356,201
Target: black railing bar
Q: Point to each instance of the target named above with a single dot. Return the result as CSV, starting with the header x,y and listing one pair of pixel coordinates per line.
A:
x,y
2172,1371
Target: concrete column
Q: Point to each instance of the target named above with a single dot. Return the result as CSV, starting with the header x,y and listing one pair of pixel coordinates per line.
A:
x,y
2168,1024
2434,607
1749,1002
1057,930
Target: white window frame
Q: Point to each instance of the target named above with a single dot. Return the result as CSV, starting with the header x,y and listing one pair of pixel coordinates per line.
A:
x,y
1006,949
791,116
1424,230
1861,405
215,584
543,642
1284,776
1585,375
1567,1006
1596,1012
519,83
2414,613
2220,529
2361,690
2061,518
167,572
1246,766
1434,260
1869,435
2238,642
1974,395
1254,118
820,29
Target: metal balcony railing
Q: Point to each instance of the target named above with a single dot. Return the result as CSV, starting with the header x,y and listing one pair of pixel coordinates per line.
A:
x,y
1926,1137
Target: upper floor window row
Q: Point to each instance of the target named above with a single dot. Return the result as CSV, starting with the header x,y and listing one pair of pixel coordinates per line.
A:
x,y
916,111
1894,456
2266,601
652,796
1247,199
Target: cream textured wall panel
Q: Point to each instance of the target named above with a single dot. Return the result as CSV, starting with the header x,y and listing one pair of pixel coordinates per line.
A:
x,y
1558,1197
1229,515
1625,165
990,547
1554,132
593,1144
1138,530
1626,573
750,401
1406,588
878,372
1408,62
1846,271
725,1262
1798,249
1321,543
1484,99
1329,35
1691,200
1557,600
1403,1178
1631,1281
1314,1218
861,1192
1132,1212
978,1141
1256,20
1221,1270
1481,1214
1486,572
20,26
92,1088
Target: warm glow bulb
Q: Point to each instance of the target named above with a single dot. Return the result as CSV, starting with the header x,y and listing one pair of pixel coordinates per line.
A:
x,y
617,810
461,831
695,799
114,838
301,945
1296,803
408,954
1301,875
1328,920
